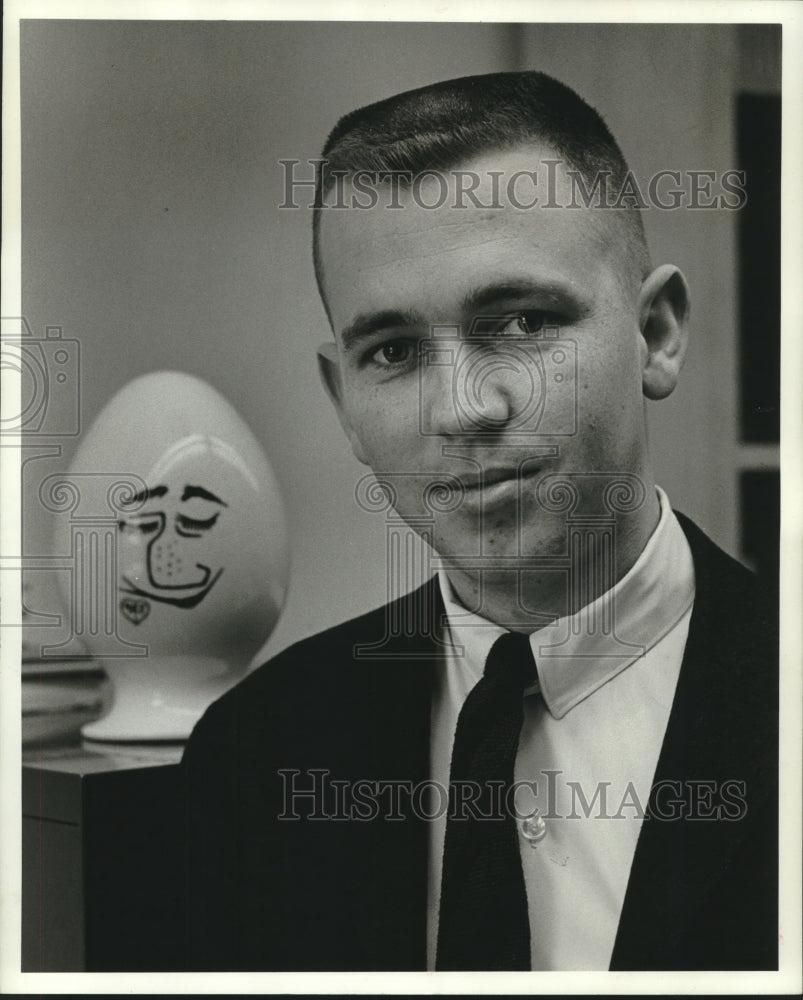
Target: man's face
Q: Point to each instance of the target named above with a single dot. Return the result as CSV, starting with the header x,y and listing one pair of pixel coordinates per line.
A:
x,y
544,375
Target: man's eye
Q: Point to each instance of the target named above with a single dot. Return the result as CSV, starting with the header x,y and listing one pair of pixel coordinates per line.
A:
x,y
393,353
521,324
532,321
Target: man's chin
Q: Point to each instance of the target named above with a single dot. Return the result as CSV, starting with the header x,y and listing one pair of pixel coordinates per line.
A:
x,y
517,548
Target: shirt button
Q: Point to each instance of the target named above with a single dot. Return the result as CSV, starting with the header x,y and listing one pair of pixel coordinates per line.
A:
x,y
533,829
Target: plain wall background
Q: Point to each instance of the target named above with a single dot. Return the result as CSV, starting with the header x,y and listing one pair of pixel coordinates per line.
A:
x,y
151,233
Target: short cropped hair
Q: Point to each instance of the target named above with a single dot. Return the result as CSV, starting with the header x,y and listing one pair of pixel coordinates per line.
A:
x,y
442,125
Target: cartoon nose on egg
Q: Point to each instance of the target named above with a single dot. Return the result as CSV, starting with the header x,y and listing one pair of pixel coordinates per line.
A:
x,y
170,565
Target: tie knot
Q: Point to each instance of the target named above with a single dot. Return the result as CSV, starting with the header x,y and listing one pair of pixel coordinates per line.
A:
x,y
511,661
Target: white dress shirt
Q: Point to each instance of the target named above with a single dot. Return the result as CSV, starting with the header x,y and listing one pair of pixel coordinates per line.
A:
x,y
597,718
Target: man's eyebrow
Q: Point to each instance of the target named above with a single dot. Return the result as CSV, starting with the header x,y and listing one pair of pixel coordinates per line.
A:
x,y
480,299
199,491
367,323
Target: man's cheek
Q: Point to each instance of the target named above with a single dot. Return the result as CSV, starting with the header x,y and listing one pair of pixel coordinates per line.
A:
x,y
388,449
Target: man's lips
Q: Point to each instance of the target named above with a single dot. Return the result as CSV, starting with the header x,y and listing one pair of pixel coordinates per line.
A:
x,y
497,486
489,477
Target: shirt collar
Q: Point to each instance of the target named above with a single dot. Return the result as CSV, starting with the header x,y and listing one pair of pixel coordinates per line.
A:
x,y
577,654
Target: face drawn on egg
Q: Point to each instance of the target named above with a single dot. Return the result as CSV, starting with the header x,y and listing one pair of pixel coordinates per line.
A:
x,y
176,526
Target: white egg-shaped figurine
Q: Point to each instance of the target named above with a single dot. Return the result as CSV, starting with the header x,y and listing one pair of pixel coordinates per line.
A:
x,y
179,552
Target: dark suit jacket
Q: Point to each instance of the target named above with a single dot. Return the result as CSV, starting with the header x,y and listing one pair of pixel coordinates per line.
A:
x,y
270,894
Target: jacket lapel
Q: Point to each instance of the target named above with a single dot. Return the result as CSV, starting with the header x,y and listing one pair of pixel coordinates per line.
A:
x,y
401,665
719,733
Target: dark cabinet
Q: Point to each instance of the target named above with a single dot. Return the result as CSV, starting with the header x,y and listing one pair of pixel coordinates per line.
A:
x,y
102,860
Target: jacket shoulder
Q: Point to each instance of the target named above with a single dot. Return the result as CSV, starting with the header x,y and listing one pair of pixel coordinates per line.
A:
x,y
725,582
329,668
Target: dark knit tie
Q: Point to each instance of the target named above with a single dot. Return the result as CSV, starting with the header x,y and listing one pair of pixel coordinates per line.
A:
x,y
483,921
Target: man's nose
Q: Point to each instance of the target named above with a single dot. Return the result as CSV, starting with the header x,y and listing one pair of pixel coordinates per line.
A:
x,y
486,390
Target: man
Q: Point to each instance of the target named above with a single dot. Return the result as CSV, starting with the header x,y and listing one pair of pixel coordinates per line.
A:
x,y
589,677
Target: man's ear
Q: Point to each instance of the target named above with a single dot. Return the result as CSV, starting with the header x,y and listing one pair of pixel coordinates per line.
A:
x,y
329,370
664,321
